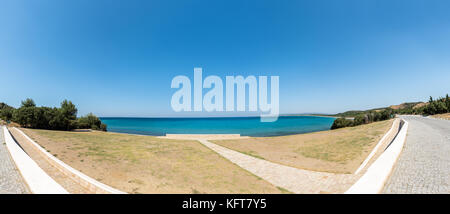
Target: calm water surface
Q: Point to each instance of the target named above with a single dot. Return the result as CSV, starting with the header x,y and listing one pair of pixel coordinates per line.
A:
x,y
246,126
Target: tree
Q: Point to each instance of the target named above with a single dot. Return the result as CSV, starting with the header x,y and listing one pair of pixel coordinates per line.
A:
x,y
57,119
69,110
430,109
341,123
90,121
6,114
359,120
376,116
28,103
440,106
63,118
447,102
68,115
386,114
24,116
103,127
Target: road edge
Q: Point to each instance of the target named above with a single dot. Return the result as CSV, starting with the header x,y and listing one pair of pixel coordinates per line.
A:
x,y
373,181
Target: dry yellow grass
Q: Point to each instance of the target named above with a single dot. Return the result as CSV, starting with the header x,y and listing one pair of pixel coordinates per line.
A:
x,y
442,116
145,164
340,151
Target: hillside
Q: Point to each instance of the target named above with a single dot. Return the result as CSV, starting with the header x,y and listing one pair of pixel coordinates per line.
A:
x,y
403,106
408,105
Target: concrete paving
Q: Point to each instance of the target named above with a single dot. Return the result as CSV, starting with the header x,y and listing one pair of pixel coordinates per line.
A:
x,y
424,164
11,182
290,178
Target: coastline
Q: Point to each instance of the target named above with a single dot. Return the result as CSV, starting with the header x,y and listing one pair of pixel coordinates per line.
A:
x,y
309,115
217,134
218,117
245,126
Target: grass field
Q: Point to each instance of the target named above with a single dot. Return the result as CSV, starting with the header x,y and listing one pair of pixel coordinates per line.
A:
x,y
145,164
340,150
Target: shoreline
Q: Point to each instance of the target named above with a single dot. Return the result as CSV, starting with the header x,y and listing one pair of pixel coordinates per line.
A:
x,y
218,117
216,134
245,126
310,115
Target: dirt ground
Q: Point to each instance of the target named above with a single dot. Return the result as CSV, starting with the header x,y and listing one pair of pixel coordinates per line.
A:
x,y
145,164
338,151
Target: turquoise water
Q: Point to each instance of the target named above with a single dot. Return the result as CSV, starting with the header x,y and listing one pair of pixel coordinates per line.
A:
x,y
246,126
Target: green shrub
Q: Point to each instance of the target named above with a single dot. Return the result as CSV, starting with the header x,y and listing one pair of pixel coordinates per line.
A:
x,y
360,119
103,127
90,121
341,123
6,113
371,116
63,118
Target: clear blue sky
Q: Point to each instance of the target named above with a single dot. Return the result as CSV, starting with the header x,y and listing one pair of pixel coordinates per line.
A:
x,y
117,58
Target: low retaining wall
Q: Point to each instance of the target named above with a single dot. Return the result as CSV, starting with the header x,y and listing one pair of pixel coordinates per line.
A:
x,y
372,182
84,180
37,180
388,135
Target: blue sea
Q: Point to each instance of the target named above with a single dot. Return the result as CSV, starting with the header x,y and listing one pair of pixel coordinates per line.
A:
x,y
246,126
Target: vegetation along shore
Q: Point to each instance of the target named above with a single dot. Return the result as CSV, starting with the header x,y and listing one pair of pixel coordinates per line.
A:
x,y
28,115
432,107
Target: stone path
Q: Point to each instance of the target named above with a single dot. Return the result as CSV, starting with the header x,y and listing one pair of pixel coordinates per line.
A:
x,y
11,182
289,178
424,164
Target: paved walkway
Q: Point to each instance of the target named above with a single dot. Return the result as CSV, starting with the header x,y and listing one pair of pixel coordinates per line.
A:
x,y
11,181
289,178
424,164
